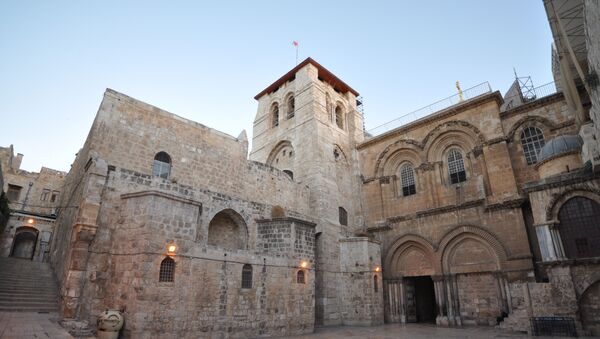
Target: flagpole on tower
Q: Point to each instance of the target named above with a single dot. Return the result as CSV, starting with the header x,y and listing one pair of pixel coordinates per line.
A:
x,y
295,43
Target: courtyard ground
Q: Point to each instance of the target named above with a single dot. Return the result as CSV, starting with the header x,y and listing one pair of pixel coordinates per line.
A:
x,y
30,325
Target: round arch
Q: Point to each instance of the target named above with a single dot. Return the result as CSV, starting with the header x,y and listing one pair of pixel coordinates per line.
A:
x,y
24,242
391,152
558,200
227,229
410,255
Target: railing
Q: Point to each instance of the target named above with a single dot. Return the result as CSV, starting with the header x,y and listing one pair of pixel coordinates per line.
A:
x,y
526,96
482,88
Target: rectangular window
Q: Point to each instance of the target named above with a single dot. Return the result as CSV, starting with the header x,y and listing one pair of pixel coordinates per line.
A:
x,y
13,193
409,190
45,194
54,196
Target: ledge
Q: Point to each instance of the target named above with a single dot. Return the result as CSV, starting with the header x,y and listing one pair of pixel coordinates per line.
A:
x,y
289,219
160,194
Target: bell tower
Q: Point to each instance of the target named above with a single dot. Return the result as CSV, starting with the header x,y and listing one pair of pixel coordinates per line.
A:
x,y
307,125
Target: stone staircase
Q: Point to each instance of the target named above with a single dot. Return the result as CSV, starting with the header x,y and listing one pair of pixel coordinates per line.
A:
x,y
27,286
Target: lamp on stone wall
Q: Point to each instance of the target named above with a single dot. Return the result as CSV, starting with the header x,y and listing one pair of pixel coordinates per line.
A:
x,y
171,249
377,268
304,264
30,221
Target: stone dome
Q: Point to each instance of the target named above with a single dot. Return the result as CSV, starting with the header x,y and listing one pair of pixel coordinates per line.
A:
x,y
560,145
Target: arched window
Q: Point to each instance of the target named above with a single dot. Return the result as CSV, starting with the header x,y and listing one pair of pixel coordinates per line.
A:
x,y
343,216
275,115
291,106
339,116
532,140
162,165
407,177
456,167
376,283
167,270
301,277
579,228
290,173
247,276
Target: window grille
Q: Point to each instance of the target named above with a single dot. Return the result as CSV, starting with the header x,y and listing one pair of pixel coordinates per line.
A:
x,y
162,165
579,228
532,140
167,270
456,167
13,193
407,178
300,277
247,276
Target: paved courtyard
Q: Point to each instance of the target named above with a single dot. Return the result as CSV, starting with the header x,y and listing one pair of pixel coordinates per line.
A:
x,y
409,331
25,325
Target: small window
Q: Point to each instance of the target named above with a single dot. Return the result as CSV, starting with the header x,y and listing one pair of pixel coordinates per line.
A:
x,y
343,216
162,165
54,196
167,270
13,193
328,107
290,173
407,177
247,276
291,107
339,117
275,115
301,277
532,140
376,283
456,167
45,194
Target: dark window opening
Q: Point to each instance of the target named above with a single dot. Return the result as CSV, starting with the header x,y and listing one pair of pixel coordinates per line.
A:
x,y
162,165
532,140
275,115
54,196
45,194
456,167
247,276
339,117
407,178
343,216
289,173
579,228
291,107
13,193
167,270
300,277
376,283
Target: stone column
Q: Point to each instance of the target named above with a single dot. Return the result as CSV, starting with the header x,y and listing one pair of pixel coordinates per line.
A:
x,y
549,241
392,301
500,280
440,300
453,305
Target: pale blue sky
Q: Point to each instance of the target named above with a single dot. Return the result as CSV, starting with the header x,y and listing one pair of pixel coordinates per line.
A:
x,y
206,60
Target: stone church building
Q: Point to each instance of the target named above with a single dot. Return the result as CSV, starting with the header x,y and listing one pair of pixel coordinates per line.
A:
x,y
482,213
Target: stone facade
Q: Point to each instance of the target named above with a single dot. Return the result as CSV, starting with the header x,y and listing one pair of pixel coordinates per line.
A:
x,y
33,200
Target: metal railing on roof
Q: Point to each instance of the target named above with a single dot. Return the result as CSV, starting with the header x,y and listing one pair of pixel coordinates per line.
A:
x,y
529,95
470,93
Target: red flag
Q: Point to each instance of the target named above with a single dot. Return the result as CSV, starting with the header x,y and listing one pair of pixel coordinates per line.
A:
x,y
295,43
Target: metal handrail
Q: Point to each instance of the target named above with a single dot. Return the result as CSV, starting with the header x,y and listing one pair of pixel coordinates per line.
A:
x,y
530,95
470,93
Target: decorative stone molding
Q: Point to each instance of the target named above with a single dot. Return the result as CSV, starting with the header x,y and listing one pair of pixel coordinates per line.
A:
x,y
558,199
501,251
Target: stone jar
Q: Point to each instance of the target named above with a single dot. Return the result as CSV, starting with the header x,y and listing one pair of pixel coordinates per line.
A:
x,y
109,324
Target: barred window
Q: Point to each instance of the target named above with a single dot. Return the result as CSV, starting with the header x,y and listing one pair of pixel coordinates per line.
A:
x,y
532,140
275,115
579,229
13,193
407,178
291,107
300,277
376,283
247,276
456,167
343,216
162,165
167,270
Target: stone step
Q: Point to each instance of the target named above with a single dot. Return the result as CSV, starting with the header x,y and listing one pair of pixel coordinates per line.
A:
x,y
18,308
27,286
24,297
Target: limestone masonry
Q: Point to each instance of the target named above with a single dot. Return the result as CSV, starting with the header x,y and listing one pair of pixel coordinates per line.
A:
x,y
482,213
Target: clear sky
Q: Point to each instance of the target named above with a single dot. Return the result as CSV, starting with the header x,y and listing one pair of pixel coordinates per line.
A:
x,y
206,60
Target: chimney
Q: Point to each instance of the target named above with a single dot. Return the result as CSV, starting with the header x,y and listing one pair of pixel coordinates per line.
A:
x,y
16,165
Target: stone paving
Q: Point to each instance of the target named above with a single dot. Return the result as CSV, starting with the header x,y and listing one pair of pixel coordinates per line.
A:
x,y
409,331
26,325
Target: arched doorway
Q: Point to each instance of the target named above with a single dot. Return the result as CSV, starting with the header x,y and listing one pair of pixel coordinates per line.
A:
x,y
589,309
24,242
579,229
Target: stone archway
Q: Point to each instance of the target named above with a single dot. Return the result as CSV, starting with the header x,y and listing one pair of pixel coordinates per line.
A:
x,y
228,230
24,243
589,309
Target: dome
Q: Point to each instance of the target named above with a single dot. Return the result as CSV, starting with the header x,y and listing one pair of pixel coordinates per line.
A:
x,y
560,145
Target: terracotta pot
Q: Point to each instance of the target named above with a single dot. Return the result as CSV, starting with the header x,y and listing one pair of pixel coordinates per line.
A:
x,y
109,324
